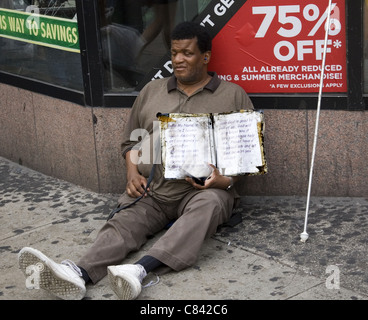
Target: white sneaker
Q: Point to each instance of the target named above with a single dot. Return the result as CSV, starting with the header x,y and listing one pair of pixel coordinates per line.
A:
x,y
63,280
126,280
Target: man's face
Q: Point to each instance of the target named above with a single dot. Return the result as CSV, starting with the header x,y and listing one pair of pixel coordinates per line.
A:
x,y
188,62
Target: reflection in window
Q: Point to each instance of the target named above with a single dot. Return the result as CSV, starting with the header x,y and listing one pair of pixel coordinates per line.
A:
x,y
136,35
26,58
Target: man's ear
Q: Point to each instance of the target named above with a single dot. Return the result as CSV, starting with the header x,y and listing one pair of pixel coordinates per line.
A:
x,y
207,57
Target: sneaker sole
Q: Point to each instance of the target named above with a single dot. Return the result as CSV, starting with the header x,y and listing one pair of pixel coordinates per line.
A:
x,y
124,286
32,261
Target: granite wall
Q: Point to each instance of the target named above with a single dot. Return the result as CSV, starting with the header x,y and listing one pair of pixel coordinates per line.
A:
x,y
82,145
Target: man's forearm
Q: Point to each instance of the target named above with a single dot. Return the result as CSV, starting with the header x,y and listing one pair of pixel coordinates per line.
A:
x,y
131,160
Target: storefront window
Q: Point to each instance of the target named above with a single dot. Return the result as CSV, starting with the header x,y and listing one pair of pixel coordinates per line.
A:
x,y
365,33
272,49
39,40
136,35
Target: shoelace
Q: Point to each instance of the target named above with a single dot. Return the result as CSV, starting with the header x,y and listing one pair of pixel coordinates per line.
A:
x,y
72,266
152,283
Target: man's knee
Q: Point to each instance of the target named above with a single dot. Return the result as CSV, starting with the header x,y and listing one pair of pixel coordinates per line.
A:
x,y
216,198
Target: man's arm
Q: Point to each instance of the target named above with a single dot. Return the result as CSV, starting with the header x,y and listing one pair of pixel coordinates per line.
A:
x,y
135,181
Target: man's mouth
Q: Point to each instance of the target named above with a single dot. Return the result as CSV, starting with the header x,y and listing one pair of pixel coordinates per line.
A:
x,y
179,68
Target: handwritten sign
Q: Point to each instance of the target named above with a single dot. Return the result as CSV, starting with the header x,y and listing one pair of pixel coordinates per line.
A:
x,y
237,143
232,142
187,141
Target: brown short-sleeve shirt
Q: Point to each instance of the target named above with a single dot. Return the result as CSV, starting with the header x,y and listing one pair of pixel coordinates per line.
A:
x,y
163,95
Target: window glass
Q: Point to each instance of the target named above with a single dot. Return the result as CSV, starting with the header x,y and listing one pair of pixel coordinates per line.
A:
x,y
39,40
365,32
136,35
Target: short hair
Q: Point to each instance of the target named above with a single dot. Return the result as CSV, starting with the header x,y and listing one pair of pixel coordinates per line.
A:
x,y
190,30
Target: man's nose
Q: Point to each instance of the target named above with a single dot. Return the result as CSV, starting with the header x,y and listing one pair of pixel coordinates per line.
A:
x,y
179,57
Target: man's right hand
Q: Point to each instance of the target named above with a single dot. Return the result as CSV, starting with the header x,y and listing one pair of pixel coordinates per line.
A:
x,y
135,185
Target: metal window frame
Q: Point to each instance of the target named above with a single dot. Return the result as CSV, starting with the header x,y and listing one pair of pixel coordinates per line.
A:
x,y
92,69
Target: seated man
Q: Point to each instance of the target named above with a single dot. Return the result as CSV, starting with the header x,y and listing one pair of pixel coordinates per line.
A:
x,y
197,209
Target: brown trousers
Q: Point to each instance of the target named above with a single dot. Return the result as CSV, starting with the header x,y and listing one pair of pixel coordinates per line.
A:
x,y
198,215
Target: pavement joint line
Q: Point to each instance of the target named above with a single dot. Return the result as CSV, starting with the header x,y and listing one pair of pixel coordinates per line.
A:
x,y
289,265
295,268
306,290
32,229
259,253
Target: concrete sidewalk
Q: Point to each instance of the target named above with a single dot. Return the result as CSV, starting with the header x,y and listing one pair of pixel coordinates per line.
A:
x,y
261,258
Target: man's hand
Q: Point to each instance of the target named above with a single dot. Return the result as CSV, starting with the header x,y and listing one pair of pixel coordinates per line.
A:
x,y
215,180
136,183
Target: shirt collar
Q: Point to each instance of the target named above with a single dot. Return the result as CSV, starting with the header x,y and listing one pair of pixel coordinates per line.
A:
x,y
212,85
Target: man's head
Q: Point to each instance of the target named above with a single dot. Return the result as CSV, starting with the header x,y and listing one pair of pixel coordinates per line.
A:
x,y
190,52
191,30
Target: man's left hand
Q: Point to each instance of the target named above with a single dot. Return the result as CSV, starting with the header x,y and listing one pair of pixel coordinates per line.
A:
x,y
215,180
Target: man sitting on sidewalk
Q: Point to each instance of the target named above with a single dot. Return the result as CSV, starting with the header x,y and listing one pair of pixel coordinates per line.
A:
x,y
198,209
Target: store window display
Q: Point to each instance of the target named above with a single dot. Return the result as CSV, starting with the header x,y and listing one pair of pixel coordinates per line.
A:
x,y
34,38
135,35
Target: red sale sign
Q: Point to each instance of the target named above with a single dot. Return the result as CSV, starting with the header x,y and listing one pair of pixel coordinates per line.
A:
x,y
277,46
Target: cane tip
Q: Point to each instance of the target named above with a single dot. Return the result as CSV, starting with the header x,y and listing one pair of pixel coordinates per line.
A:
x,y
304,236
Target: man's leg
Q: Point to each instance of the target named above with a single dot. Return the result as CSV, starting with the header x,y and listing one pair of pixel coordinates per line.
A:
x,y
127,231
200,213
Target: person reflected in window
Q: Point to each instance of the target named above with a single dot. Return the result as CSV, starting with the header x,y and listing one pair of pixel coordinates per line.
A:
x,y
164,20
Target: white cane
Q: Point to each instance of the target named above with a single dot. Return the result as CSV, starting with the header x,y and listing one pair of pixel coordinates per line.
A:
x,y
304,235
